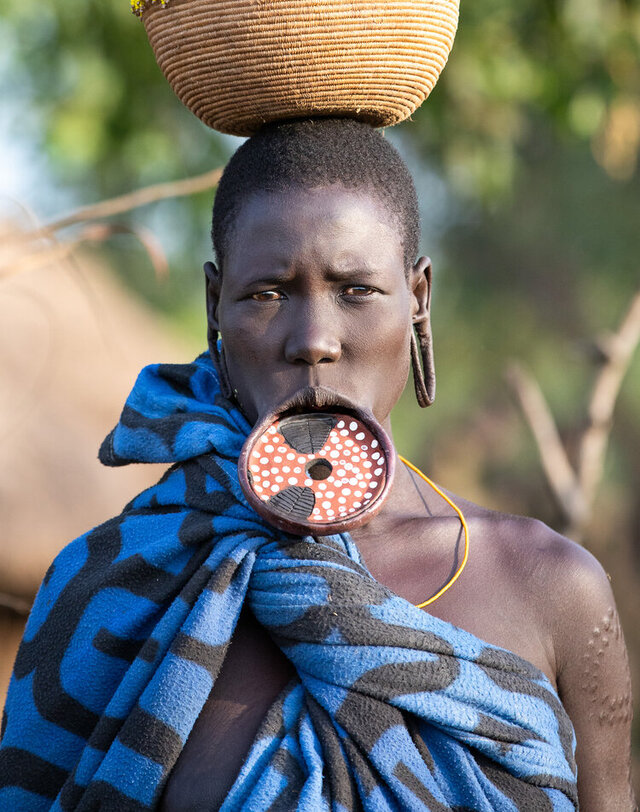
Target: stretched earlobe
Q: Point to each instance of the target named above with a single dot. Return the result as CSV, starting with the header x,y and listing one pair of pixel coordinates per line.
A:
x,y
217,352
212,292
422,362
216,347
424,374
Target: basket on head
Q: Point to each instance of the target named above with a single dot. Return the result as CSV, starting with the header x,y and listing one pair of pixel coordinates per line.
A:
x,y
238,64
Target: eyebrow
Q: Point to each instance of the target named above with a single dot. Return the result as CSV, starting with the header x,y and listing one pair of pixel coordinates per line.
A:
x,y
270,279
356,269
331,272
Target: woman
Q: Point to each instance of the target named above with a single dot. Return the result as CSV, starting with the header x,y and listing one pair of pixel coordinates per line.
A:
x,y
186,655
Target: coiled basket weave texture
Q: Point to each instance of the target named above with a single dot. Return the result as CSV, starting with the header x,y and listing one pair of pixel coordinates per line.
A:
x,y
238,64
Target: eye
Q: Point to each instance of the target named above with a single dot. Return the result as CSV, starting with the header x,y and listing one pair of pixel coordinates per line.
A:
x,y
358,290
267,296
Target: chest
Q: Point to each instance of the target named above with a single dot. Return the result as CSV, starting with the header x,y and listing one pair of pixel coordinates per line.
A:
x,y
255,671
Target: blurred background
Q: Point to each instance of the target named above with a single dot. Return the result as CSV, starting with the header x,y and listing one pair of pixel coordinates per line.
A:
x,y
526,162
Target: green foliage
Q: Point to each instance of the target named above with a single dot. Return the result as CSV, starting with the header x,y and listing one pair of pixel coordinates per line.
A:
x,y
519,68
109,119
98,107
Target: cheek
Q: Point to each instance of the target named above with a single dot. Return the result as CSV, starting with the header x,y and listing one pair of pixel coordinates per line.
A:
x,y
394,357
387,346
388,331
385,351
246,339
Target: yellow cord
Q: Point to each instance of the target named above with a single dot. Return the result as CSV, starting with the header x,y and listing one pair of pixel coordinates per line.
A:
x,y
466,534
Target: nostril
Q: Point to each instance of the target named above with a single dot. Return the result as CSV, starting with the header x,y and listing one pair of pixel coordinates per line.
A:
x,y
311,362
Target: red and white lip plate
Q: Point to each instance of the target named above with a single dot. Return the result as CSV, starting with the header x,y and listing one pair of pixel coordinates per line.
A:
x,y
317,472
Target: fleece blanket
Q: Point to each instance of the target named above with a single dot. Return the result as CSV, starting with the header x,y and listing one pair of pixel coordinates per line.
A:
x,y
391,709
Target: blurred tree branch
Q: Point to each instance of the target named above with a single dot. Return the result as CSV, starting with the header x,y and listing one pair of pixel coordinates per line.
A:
x,y
137,198
26,249
557,467
15,604
575,488
30,253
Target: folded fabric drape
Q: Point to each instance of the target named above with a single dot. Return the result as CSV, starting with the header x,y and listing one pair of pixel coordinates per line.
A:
x,y
391,708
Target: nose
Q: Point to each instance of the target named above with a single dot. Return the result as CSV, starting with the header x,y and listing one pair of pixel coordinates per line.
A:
x,y
313,338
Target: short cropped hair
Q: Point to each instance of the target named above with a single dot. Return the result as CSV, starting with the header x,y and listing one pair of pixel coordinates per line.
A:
x,y
314,153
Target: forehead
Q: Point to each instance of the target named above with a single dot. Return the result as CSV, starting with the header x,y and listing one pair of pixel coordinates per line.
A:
x,y
327,224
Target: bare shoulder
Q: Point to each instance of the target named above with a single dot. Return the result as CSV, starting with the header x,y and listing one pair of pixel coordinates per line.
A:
x,y
560,580
575,592
568,589
570,581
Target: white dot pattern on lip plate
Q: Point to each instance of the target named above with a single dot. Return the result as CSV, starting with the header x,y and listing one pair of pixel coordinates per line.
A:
x,y
351,450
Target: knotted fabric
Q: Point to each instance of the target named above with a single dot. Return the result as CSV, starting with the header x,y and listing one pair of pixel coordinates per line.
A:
x,y
391,708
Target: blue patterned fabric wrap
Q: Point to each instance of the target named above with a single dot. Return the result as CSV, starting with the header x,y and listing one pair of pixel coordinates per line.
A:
x,y
391,709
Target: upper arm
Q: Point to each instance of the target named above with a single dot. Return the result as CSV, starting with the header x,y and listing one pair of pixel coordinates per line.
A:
x,y
593,678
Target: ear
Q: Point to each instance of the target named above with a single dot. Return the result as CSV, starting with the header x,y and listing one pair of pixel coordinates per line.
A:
x,y
424,374
213,282
420,282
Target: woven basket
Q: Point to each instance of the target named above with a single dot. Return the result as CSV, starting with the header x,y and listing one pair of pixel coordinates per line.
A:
x,y
238,64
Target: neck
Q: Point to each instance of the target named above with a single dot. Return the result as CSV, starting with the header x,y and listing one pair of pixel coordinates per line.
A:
x,y
407,500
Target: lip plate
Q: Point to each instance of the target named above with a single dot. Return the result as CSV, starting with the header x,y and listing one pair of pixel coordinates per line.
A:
x,y
305,528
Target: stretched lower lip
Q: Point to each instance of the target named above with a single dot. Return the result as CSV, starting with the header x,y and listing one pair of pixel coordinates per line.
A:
x,y
315,399
348,410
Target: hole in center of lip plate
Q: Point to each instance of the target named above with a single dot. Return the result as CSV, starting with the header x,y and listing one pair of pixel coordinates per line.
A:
x,y
319,469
